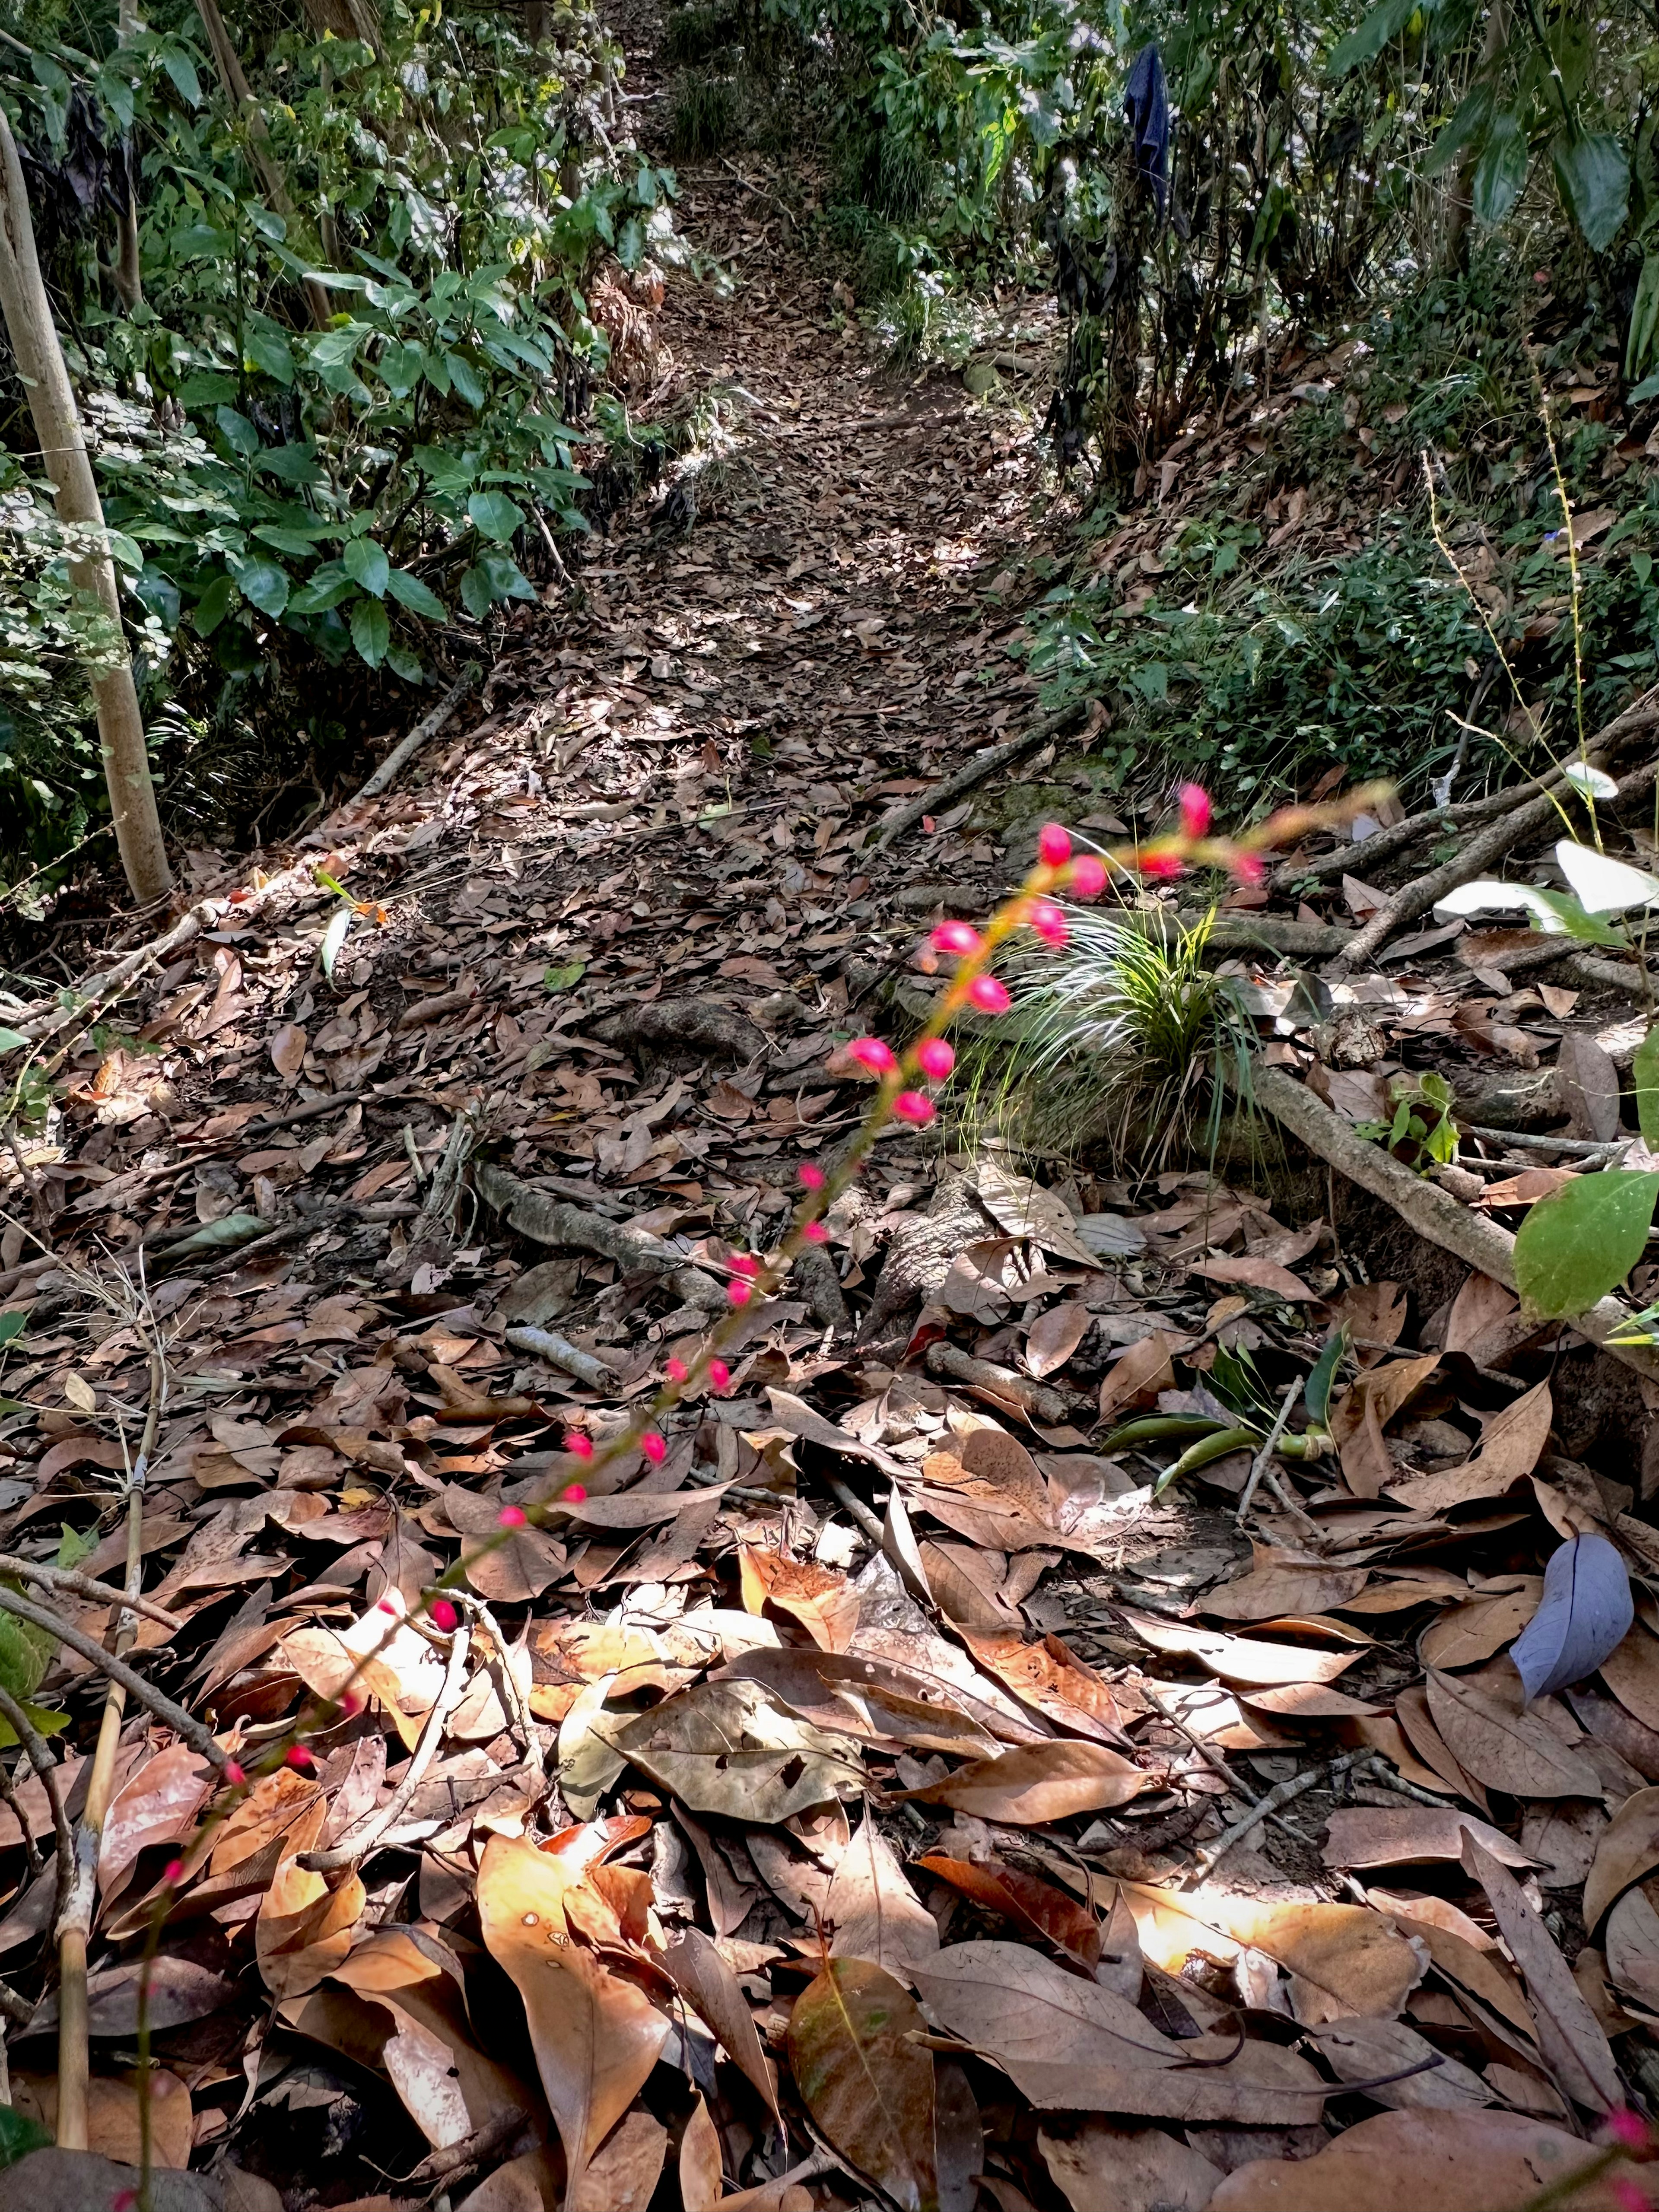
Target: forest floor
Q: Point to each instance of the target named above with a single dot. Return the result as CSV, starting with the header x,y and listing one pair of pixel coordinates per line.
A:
x,y
604,949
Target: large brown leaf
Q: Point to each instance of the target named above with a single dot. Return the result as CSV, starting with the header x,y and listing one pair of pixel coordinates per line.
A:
x,y
1482,1719
1037,1782
871,1909
824,1602
708,1983
1628,1853
304,1928
1036,1908
1101,2166
1468,1635
1419,2161
724,1746
157,1806
1631,1672
1278,1585
1398,1835
1370,2049
1244,1660
596,2037
1342,1960
1051,1677
865,2080
1573,2043
1511,1445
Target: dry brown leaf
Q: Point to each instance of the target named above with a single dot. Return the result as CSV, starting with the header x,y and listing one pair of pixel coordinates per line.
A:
x,y
1343,1960
1412,1711
1481,1304
157,1804
866,2079
1050,1676
871,1909
1236,1658
1036,1908
1056,1335
1510,1446
1387,1390
1628,1853
1483,1724
304,1928
1036,1782
821,1600
1100,2166
1275,1586
596,2037
1426,2161
1260,1274
708,1983
1632,1943
1631,1672
1144,1370
1570,2037
1470,1634
623,2172
1367,2049
114,2123
1386,1835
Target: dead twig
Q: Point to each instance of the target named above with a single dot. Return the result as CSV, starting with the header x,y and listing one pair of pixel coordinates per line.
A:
x,y
1259,1465
422,734
86,1586
982,766
1281,1794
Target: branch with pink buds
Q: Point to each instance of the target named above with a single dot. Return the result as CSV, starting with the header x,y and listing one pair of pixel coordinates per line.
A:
x,y
903,1078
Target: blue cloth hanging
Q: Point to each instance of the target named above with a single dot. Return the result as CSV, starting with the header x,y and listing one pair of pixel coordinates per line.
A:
x,y
1146,104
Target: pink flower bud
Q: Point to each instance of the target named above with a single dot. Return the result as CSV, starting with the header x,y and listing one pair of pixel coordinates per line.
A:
x,y
1054,845
988,996
872,1053
743,1263
350,1704
1629,2195
654,1448
299,1759
935,1059
811,1175
678,1371
1159,867
233,1773
174,1872
578,1445
1088,877
386,1605
719,1377
1248,867
911,1106
959,937
1195,810
739,1293
814,1232
1049,921
1627,2128
575,1491
125,2200
510,1516
444,1615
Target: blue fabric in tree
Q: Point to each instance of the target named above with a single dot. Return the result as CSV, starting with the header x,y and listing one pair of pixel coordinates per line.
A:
x,y
1146,104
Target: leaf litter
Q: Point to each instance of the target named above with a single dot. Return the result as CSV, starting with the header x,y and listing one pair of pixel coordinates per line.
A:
x,y
901,1791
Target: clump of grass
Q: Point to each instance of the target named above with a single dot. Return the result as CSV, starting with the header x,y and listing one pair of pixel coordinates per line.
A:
x,y
1124,1044
696,32
705,114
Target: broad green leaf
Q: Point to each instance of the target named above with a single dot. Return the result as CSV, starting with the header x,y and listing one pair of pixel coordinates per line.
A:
x,y
1467,127
269,352
419,599
45,1720
238,432
18,2135
400,364
224,1235
214,606
1570,919
264,585
333,938
561,979
26,1652
476,595
366,564
1593,177
11,1040
1316,1391
465,379
1581,1242
179,67
12,1325
1644,1076
495,515
298,543
1380,28
371,630
1502,169
294,464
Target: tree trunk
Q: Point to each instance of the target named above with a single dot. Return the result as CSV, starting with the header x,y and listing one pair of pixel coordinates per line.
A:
x,y
57,418
346,19
239,94
128,280
538,23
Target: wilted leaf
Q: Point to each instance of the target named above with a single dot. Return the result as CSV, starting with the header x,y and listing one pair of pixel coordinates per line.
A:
x,y
304,1929
865,2079
1628,1853
1101,2166
1038,1782
724,1747
287,1050
1368,2050
871,1910
1036,1908
1427,2161
1584,1615
823,1602
1139,1375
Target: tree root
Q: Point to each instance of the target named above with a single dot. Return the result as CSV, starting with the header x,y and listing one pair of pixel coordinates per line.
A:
x,y
695,1025
573,1229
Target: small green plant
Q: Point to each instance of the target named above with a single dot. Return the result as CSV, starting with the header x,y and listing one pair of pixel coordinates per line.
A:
x,y
705,114
1248,1418
1420,1132
1125,1041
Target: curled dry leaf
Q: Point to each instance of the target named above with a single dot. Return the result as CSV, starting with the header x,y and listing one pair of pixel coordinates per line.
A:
x,y
1036,1908
158,1805
1368,2050
1484,1723
1246,1661
1511,1445
596,2037
866,2079
1342,1958
1628,1853
709,1985
305,1928
823,1602
1037,1782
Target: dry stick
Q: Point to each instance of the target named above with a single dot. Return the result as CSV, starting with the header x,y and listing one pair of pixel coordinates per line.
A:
x,y
347,1852
1417,897
1282,1794
75,1907
86,1586
559,1352
155,1701
422,734
1425,1206
1258,1466
983,765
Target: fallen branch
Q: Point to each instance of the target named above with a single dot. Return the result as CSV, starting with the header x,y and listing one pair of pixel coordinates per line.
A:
x,y
983,765
559,1352
1512,829
188,1730
1423,1207
349,1851
423,734
573,1229
1282,1794
86,1586
1047,1407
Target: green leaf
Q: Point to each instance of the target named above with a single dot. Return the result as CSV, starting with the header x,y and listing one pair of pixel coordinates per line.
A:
x,y
269,352
1502,169
179,67
400,364
238,432
1467,127
1316,1391
366,564
26,1652
1380,28
561,979
371,630
495,515
224,1235
45,1722
335,935
1593,177
20,2135
465,379
1574,921
295,464
476,595
1581,1242
214,606
264,585
1645,1073
419,599
12,1325
11,1041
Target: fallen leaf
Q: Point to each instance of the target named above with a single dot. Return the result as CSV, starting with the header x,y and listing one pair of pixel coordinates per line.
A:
x,y
1630,1671
1050,1676
1632,1943
871,1910
1056,1335
1036,1908
622,2174
1101,2166
824,1602
1368,1836
304,1928
1281,1587
1240,1659
1144,1370
596,2037
865,2080
1468,1635
1259,1273
157,1804
1511,1445
1574,2046
1037,1782
1343,1960
1628,1853
723,1746
1427,2161
114,2123
1584,1616
1368,2050
708,1983
1489,1734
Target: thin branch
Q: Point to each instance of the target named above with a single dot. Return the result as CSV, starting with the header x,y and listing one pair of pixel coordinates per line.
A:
x,y
40,1759
348,1852
86,1586
187,1729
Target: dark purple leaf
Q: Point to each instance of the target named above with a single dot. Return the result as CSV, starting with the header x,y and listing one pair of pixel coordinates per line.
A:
x,y
1585,1614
